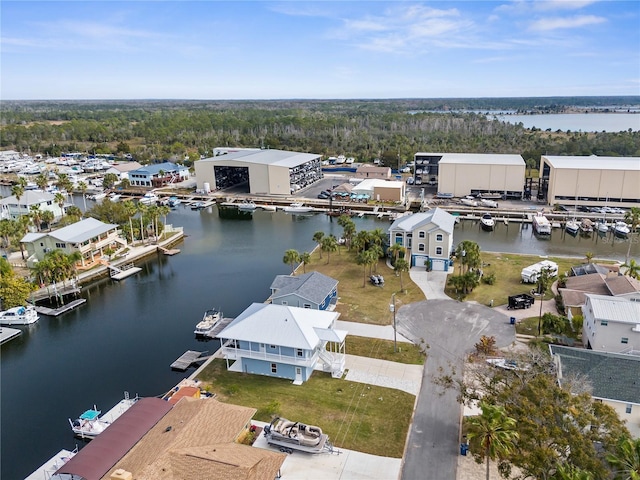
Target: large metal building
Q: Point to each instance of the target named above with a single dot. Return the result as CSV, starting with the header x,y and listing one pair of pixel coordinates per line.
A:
x,y
270,172
593,180
464,174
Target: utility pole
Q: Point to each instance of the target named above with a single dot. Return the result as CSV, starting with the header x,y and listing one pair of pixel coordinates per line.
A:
x,y
392,309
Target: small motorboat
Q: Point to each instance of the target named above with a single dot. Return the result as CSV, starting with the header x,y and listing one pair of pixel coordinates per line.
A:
x,y
97,196
149,198
89,425
209,320
572,227
602,226
468,201
114,197
586,227
621,229
289,436
247,206
487,222
297,207
173,202
19,316
198,206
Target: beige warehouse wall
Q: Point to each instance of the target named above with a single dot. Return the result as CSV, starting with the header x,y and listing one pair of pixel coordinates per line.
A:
x,y
258,179
612,184
460,179
278,180
388,194
204,174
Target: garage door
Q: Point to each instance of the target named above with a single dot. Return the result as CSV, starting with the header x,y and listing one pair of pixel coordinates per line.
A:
x,y
418,260
439,265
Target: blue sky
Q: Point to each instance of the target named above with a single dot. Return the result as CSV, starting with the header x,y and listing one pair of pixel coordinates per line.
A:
x,y
327,49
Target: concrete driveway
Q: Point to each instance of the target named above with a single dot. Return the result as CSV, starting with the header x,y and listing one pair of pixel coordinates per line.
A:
x,y
431,283
372,371
450,329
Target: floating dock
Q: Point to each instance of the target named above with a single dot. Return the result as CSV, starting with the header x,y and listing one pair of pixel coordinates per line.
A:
x,y
187,359
119,273
7,334
221,325
54,312
169,251
47,469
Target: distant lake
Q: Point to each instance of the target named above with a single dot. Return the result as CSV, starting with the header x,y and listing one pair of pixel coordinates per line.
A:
x,y
576,122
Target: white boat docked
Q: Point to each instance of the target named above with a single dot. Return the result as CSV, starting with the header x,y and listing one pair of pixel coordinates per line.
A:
x,y
173,202
541,225
19,316
572,227
149,198
97,196
114,197
602,226
469,202
89,425
297,207
487,222
485,202
621,229
210,319
247,206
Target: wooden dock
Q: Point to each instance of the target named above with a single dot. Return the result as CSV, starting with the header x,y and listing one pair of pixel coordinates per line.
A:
x,y
54,312
7,334
169,251
119,273
187,359
222,324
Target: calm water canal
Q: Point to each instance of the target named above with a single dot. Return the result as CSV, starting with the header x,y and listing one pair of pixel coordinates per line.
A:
x,y
128,333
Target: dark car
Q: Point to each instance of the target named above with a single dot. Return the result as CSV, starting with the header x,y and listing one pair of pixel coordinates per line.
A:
x,y
323,196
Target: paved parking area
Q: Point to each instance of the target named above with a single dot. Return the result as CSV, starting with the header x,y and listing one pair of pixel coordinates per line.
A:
x,y
347,465
401,376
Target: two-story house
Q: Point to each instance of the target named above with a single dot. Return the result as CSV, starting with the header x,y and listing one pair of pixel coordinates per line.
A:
x,y
89,237
11,207
157,175
283,341
427,237
614,379
611,324
309,290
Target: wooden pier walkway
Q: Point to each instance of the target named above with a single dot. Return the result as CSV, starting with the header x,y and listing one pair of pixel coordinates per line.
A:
x,y
187,359
7,334
169,251
222,324
54,312
119,273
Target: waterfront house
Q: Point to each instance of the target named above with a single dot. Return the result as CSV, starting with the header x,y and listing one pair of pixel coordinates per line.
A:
x,y
197,438
427,237
614,379
283,341
121,170
12,208
611,324
90,237
158,174
309,290
381,190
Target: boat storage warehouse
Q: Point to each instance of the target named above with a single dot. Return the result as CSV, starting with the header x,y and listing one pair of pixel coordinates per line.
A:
x,y
592,180
471,174
266,172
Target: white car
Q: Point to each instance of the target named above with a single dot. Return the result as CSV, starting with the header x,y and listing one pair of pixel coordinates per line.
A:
x,y
410,181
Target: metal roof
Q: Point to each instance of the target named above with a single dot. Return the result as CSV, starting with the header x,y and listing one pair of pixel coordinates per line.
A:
x,y
102,453
313,286
280,325
614,309
155,168
29,197
482,159
440,218
613,376
280,158
593,162
79,232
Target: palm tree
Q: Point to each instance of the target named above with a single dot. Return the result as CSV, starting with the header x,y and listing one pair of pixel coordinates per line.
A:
x,y
491,433
627,460
317,237
589,256
82,186
378,237
365,258
36,215
130,210
17,191
291,257
631,269
42,181
48,217
395,250
142,210
543,283
329,244
60,199
401,266
361,240
305,258
570,472
632,217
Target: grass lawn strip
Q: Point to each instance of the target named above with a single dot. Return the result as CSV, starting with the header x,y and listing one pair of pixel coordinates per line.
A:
x,y
383,350
356,416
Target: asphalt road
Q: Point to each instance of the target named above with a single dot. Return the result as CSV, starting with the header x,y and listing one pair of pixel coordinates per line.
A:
x,y
450,329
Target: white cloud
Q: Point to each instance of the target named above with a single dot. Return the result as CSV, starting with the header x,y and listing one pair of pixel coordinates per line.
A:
x,y
557,23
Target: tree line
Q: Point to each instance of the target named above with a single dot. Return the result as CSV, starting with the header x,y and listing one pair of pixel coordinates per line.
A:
x,y
392,130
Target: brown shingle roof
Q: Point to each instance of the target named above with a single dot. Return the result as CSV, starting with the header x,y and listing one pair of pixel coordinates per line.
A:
x,y
622,284
572,298
194,437
591,283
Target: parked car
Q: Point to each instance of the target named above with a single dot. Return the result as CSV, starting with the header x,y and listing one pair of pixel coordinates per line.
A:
x,y
323,196
523,300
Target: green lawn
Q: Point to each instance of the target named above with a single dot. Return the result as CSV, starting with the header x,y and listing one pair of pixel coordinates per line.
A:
x,y
383,349
356,416
368,303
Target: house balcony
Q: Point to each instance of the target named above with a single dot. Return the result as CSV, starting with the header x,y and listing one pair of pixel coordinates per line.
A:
x,y
231,353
